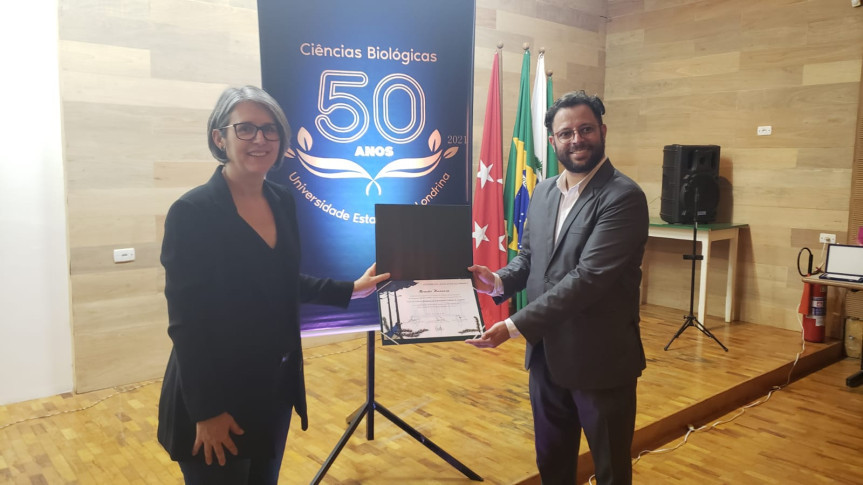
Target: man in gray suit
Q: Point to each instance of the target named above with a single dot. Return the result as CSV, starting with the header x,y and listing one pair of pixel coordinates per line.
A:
x,y
580,260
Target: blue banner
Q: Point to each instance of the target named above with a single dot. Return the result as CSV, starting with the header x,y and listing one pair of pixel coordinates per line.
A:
x,y
379,95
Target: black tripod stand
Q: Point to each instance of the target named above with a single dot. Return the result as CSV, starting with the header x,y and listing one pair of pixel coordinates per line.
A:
x,y
368,410
690,320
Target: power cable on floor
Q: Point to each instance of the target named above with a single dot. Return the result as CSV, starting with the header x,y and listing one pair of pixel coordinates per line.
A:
x,y
692,429
109,396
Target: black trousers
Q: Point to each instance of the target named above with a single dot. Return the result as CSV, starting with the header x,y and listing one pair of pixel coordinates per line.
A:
x,y
607,417
249,471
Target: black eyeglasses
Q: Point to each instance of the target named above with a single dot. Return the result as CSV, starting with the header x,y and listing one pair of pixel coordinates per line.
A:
x,y
248,131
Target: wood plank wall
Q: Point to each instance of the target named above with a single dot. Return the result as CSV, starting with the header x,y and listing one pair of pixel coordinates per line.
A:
x,y
572,34
854,300
710,72
138,80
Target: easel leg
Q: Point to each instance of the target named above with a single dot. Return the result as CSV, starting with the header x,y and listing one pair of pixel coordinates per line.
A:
x,y
341,444
368,410
428,443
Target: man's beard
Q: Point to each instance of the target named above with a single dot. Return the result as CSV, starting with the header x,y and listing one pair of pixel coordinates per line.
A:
x,y
597,154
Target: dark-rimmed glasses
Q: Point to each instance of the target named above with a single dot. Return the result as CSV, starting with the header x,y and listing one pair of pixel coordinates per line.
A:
x,y
566,136
248,131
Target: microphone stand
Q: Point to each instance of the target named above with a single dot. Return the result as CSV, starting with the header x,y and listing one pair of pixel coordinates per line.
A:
x,y
690,320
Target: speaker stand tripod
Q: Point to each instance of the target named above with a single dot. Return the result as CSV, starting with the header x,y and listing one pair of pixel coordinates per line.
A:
x,y
690,320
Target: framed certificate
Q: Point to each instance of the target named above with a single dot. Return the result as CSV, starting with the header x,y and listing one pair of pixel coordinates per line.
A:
x,y
429,296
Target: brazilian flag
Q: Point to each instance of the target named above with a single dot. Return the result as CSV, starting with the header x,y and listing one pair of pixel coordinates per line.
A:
x,y
520,172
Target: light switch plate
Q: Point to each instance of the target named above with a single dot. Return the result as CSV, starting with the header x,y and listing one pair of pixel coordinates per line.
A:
x,y
124,255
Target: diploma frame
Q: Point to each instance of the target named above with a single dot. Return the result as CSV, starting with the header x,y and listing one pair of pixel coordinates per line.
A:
x,y
429,296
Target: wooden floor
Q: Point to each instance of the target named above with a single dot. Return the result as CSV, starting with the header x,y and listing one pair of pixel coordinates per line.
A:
x,y
474,405
810,432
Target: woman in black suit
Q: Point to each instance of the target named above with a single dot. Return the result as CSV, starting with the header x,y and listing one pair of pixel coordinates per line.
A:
x,y
231,254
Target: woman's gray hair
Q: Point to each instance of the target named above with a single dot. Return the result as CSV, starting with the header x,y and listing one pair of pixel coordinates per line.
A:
x,y
225,105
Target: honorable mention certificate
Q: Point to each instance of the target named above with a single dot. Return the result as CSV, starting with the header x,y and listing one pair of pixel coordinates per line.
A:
x,y
430,295
429,309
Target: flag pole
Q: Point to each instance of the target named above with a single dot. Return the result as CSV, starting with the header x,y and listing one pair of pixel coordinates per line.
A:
x,y
538,141
500,89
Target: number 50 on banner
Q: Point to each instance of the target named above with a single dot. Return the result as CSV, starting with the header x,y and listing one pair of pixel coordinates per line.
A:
x,y
335,95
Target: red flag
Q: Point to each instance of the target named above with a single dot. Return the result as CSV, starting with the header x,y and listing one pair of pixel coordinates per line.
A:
x,y
489,234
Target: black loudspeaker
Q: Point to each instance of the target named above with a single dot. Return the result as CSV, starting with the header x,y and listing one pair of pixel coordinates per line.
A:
x,y
690,179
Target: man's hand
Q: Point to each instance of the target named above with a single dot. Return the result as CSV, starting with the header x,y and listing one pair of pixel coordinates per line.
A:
x,y
492,337
214,436
483,278
367,283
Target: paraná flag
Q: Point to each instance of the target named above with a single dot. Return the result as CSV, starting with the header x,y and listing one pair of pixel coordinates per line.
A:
x,y
538,107
551,166
488,229
520,172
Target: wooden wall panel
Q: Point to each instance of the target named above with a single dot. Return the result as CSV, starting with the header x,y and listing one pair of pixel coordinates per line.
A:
x,y
572,34
699,72
138,80
854,301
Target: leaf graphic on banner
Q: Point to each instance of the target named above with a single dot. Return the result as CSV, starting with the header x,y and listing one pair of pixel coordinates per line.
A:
x,y
409,167
304,139
334,168
434,141
340,168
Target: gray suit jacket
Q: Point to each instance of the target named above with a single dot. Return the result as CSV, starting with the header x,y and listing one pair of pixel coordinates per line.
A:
x,y
583,289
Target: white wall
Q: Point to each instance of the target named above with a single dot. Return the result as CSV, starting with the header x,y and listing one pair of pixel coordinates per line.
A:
x,y
35,331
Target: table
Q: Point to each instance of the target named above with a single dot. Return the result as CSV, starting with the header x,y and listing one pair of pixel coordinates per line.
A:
x,y
707,234
855,379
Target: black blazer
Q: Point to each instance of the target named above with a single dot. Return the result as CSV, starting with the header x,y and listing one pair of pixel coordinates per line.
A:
x,y
583,289
233,309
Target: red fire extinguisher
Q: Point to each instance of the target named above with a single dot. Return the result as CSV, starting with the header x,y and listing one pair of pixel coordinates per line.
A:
x,y
813,322
813,305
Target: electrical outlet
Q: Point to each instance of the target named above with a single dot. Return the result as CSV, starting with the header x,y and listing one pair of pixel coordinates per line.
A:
x,y
764,130
124,255
825,238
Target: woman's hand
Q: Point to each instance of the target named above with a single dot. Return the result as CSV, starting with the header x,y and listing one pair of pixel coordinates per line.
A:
x,y
367,283
214,436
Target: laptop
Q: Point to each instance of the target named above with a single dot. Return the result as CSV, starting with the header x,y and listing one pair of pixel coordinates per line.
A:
x,y
844,263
